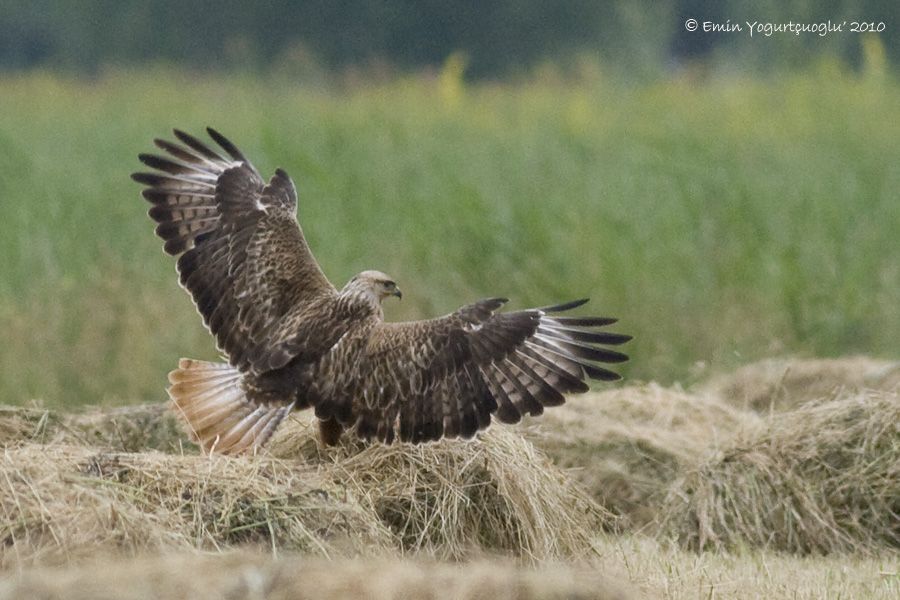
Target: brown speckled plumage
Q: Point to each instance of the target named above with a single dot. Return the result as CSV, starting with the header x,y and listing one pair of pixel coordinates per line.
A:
x,y
294,341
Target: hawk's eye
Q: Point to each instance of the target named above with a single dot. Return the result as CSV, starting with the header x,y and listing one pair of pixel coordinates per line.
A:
x,y
389,284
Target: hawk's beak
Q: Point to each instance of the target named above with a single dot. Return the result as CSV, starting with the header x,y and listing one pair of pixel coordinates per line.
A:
x,y
397,293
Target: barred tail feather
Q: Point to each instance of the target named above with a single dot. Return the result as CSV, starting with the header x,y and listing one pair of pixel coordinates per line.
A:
x,y
220,417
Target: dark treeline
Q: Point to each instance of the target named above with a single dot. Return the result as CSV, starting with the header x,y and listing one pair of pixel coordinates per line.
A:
x,y
499,37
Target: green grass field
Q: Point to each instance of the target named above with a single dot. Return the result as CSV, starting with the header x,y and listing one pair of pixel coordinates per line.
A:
x,y
722,221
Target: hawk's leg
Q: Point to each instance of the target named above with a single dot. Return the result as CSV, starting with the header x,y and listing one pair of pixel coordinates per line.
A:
x,y
330,432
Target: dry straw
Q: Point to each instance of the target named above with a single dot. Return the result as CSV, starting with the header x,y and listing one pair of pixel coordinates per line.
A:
x,y
62,503
450,499
497,493
782,384
252,576
623,446
822,478
122,429
626,446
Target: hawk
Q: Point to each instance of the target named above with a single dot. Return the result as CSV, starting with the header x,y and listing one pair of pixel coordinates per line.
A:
x,y
294,341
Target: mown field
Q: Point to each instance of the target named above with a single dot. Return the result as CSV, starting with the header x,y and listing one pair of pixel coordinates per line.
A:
x,y
722,221
734,225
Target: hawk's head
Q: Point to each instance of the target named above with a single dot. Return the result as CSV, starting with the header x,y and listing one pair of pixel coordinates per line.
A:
x,y
373,284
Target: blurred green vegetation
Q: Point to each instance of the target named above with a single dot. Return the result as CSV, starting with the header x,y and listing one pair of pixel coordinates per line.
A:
x,y
313,39
721,221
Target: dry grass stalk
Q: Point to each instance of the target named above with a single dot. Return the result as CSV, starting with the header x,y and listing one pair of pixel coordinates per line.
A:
x,y
823,478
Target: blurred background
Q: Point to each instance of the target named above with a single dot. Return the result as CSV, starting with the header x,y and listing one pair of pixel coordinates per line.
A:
x,y
500,38
730,197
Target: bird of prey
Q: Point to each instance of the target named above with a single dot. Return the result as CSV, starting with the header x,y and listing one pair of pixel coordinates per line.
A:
x,y
294,341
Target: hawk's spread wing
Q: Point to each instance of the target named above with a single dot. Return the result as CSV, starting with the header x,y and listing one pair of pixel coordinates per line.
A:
x,y
244,259
446,377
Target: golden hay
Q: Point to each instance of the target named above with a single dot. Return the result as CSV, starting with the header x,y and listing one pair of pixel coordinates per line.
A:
x,y
782,384
823,478
63,503
252,576
64,499
626,446
25,424
121,429
496,492
127,428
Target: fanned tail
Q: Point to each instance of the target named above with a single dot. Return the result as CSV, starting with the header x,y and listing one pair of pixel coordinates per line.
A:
x,y
220,417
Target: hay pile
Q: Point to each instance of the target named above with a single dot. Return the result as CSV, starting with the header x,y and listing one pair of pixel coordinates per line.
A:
x,y
623,446
62,501
823,478
121,429
252,576
783,384
448,498
626,446
818,477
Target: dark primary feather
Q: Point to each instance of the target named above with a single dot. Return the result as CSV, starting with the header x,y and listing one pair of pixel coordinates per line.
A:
x,y
585,321
602,337
226,145
565,306
179,152
198,146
